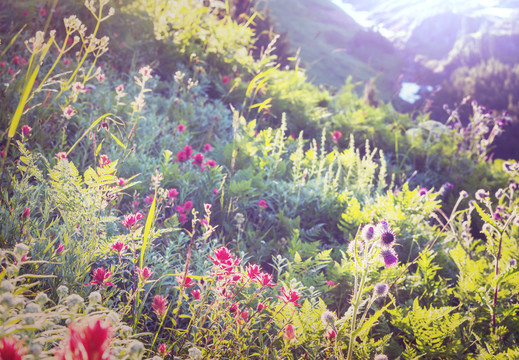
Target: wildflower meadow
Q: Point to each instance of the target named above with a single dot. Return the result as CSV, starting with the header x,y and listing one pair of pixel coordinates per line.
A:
x,y
170,190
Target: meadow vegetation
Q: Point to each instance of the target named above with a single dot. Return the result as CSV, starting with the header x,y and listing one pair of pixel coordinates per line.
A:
x,y
172,190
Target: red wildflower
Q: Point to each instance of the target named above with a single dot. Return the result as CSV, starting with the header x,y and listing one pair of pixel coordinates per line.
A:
x,y
211,163
121,182
244,315
180,209
138,216
224,260
188,205
181,128
330,334
226,80
262,203
253,272
16,60
198,160
60,248
163,350
188,150
207,147
26,130
330,283
261,307
336,136
100,276
144,273
43,12
181,156
119,247
233,308
87,341
195,294
104,160
172,194
290,296
159,306
67,61
2,64
290,333
187,282
129,220
26,212
148,200
61,155
11,349
266,280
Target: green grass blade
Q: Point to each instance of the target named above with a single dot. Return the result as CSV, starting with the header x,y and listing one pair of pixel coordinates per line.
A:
x,y
147,228
86,132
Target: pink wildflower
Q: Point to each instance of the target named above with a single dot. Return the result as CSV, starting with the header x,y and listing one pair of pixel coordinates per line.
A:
x,y
188,205
330,334
11,349
68,112
253,272
172,194
195,294
144,273
330,283
226,80
211,163
163,350
181,128
261,307
43,12
262,203
61,155
90,340
60,248
336,136
100,276
159,306
101,77
266,280
233,308
66,61
182,218
121,182
186,282
188,150
244,315
207,147
290,296
16,60
104,160
119,247
181,156
224,260
290,333
198,160
26,130
26,213
2,64
148,200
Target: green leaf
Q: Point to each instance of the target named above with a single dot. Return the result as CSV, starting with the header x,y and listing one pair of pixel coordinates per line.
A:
x,y
118,141
485,216
147,228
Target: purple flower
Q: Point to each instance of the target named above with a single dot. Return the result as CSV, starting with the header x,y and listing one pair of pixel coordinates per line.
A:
x,y
381,289
368,232
422,191
389,257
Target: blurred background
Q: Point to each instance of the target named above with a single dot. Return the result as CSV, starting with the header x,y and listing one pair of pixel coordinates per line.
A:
x,y
418,55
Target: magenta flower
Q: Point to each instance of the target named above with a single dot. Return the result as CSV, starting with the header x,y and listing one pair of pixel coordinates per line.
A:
x,y
330,283
253,272
266,280
172,194
43,12
104,161
422,191
207,147
188,150
330,334
188,205
159,306
198,160
60,248
26,212
389,257
262,203
100,277
336,136
211,163
163,350
61,155
129,220
290,296
224,260
226,80
26,130
11,348
181,128
144,273
260,307
181,156
87,340
148,200
290,333
195,294
119,247
186,282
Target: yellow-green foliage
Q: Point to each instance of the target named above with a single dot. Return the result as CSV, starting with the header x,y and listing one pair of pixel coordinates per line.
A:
x,y
200,30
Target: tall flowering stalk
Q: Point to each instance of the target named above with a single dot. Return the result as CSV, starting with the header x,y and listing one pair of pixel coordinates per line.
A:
x,y
374,245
